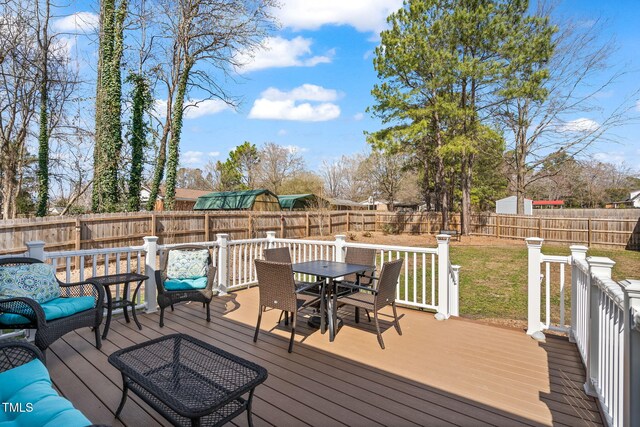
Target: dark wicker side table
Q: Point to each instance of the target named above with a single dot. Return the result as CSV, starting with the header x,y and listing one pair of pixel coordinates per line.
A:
x,y
189,382
115,279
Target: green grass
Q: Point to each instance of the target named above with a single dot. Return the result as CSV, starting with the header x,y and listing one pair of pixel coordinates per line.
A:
x,y
493,280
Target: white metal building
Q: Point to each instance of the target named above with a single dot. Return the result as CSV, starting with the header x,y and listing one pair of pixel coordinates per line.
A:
x,y
509,205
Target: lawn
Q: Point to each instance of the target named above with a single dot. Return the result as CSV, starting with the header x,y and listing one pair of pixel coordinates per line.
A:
x,y
493,279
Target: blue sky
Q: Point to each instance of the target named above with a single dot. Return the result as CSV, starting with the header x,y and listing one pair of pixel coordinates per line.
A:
x,y
312,88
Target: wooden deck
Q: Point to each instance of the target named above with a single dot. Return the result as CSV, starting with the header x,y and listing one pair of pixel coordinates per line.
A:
x,y
455,372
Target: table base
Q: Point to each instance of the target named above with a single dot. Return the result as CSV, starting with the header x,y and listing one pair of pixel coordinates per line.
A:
x,y
314,322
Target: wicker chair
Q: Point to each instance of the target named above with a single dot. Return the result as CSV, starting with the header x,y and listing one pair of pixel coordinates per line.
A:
x,y
47,331
284,255
376,297
362,256
278,290
167,298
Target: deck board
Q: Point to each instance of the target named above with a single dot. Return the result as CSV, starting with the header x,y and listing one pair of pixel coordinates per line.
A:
x,y
456,372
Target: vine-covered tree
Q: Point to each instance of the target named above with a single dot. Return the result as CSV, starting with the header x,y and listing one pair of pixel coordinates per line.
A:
x,y
141,102
108,134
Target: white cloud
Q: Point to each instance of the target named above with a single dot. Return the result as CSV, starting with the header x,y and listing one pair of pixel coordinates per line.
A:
x,y
282,132
363,15
615,157
278,52
213,153
195,108
295,149
80,22
638,105
278,105
580,125
192,157
358,116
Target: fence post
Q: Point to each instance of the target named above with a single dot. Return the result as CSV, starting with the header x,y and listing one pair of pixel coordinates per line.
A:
x,y
534,326
601,267
454,293
577,252
271,238
207,231
223,263
35,249
631,390
307,226
150,266
348,222
443,277
340,247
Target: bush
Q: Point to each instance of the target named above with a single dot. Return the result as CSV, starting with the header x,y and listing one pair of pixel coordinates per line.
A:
x,y
366,234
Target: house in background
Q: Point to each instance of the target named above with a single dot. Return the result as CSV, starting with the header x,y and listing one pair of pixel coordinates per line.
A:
x,y
185,198
548,204
249,200
632,202
509,206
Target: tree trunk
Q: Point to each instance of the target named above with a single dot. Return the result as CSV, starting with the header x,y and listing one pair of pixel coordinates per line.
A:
x,y
441,181
174,141
465,214
43,137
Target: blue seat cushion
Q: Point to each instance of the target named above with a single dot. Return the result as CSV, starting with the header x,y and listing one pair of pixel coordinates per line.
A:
x,y
54,309
185,284
33,401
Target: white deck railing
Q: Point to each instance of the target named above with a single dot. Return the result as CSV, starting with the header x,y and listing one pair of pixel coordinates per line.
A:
x,y
420,284
603,323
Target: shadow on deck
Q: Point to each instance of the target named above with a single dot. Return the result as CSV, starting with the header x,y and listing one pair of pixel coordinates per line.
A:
x,y
437,373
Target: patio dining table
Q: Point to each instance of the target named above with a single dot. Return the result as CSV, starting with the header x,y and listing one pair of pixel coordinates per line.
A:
x,y
329,271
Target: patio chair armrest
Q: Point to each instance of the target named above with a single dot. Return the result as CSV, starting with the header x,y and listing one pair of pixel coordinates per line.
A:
x,y
79,289
211,277
25,307
354,286
160,278
16,352
371,276
309,285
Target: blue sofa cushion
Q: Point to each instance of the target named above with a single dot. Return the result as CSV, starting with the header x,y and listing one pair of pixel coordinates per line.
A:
x,y
35,281
187,264
54,309
185,284
27,389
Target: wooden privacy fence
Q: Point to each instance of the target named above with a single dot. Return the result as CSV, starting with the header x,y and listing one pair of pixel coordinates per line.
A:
x,y
126,229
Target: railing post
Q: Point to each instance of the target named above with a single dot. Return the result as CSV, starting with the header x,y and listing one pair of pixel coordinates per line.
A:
x,y
534,326
150,266
223,262
271,238
601,267
631,390
443,277
340,247
454,292
35,249
577,252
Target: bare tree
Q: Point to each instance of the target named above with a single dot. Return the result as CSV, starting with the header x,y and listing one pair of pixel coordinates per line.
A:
x,y
18,99
548,131
277,164
386,171
202,42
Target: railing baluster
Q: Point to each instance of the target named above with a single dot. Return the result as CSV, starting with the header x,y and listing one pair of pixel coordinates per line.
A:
x,y
547,300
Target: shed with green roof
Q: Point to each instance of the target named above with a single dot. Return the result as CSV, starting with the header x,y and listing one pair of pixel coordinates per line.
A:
x,y
249,200
300,202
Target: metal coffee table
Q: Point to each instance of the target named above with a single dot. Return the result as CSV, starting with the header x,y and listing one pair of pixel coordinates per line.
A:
x,y
189,382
